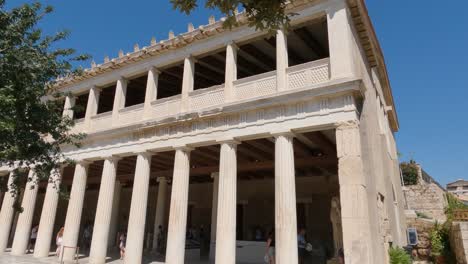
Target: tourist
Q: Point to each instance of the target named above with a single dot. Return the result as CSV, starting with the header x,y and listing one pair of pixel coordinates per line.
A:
x,y
301,244
33,237
161,239
270,251
87,233
58,241
341,256
123,240
258,234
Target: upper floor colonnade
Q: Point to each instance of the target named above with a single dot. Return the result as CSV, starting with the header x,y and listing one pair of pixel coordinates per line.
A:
x,y
317,49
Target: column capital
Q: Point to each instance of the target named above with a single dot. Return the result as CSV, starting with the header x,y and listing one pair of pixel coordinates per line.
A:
x,y
214,175
161,179
112,158
351,124
144,153
83,162
285,133
183,148
123,79
230,141
154,70
232,44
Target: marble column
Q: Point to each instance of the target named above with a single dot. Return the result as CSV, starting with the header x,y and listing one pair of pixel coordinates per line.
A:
x,y
353,195
119,99
115,215
49,210
285,201
188,80
151,92
340,39
102,221
214,205
92,106
160,210
6,215
231,72
227,204
175,252
75,209
23,227
139,203
69,104
281,60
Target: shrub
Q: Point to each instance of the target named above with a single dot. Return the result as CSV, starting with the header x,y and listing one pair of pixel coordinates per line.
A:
x,y
410,172
399,256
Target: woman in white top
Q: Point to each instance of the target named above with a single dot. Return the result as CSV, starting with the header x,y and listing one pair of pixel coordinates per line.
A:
x,y
33,237
58,241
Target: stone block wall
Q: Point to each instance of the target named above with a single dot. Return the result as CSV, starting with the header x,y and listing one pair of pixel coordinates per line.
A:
x,y
459,241
426,198
422,250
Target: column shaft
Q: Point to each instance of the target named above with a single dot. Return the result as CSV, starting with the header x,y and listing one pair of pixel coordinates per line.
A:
x,y
69,104
175,252
137,219
115,215
231,72
187,82
23,228
49,210
227,205
160,210
75,209
6,215
101,228
285,201
353,196
281,60
92,106
214,205
119,99
151,90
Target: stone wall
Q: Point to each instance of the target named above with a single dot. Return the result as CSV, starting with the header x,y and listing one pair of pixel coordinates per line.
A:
x,y
459,241
426,197
422,250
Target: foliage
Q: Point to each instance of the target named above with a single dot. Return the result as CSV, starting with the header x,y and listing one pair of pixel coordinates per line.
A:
x,y
261,14
453,203
32,129
410,172
440,242
399,256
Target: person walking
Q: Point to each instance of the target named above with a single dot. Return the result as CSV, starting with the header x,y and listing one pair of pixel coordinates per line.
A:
x,y
59,241
32,238
122,244
301,244
270,250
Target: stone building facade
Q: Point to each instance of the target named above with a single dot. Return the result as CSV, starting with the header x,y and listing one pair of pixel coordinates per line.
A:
x,y
225,135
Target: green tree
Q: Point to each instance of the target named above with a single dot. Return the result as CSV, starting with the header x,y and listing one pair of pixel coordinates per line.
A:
x,y
32,129
261,14
410,172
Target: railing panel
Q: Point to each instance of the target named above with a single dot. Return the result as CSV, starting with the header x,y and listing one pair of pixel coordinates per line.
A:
x,y
303,75
101,121
166,107
256,86
131,114
206,98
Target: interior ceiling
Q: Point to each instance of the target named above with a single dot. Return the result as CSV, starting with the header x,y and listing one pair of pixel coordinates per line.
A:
x,y
315,154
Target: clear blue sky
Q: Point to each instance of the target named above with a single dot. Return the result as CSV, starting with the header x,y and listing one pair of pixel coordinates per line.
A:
x,y
425,45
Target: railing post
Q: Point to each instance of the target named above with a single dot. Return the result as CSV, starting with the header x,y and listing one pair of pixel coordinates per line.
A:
x,y
231,72
281,60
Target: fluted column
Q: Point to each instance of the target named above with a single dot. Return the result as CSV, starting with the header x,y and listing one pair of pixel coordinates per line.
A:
x,y
6,215
175,252
214,205
101,228
227,204
49,210
75,208
285,201
137,219
23,227
281,60
160,210
353,195
115,215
